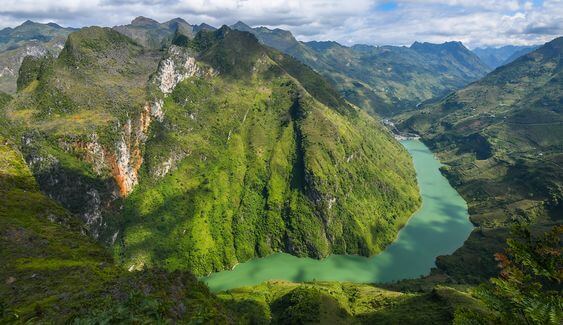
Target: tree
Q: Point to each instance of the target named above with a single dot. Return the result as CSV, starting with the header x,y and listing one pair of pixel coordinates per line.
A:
x,y
528,288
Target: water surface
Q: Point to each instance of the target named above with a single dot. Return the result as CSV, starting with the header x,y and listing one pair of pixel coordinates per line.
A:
x,y
439,227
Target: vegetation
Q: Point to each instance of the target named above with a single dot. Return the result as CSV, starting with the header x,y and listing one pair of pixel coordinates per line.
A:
x,y
382,80
278,302
72,111
500,139
528,290
258,163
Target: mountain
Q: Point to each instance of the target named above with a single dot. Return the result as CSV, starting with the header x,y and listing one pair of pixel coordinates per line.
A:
x,y
29,38
383,80
209,153
152,34
494,57
501,140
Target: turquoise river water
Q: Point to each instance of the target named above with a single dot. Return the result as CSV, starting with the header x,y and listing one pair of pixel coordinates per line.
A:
x,y
439,227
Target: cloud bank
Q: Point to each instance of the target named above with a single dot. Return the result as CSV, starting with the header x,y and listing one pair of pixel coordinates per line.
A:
x,y
401,22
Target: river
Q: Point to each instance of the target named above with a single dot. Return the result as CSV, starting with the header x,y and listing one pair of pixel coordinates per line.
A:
x,y
439,227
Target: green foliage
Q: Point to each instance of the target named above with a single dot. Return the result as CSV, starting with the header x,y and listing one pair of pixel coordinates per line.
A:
x,y
258,165
528,290
299,306
278,302
30,70
230,52
4,99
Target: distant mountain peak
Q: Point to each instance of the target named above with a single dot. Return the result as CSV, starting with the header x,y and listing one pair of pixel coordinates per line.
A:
x,y
177,20
241,26
143,21
204,26
28,22
323,45
54,25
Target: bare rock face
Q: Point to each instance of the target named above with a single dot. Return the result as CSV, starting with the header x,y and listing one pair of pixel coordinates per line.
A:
x,y
169,164
127,157
177,67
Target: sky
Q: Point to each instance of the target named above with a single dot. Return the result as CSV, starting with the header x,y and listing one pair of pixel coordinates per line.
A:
x,y
476,23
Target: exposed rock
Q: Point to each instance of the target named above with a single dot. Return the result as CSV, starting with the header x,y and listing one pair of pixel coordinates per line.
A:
x,y
169,164
156,109
178,66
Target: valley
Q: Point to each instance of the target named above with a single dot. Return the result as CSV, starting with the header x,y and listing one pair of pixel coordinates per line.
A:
x,y
178,173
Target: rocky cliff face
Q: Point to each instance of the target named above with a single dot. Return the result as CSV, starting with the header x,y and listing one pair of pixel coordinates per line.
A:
x,y
117,162
178,66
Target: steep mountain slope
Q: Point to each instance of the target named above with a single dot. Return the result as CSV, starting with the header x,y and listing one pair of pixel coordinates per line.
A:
x,y
219,151
83,120
29,38
256,154
383,80
494,57
501,139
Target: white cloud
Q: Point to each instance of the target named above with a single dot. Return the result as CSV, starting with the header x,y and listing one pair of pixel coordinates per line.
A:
x,y
474,22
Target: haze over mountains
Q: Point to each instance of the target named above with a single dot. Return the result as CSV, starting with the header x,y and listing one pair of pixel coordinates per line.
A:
x,y
494,57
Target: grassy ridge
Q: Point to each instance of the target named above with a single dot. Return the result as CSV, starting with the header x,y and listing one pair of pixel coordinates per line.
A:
x,y
278,302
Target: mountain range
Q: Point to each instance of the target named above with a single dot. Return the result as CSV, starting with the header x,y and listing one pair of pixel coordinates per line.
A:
x,y
225,132
136,158
383,80
494,57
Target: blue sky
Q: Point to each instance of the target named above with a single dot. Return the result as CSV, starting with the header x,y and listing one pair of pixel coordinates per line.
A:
x,y
378,22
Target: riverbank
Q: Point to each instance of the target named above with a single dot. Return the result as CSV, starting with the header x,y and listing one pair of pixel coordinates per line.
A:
x,y
439,227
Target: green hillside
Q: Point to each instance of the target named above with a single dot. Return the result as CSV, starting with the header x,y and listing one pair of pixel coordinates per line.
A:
x,y
278,302
260,155
386,79
52,272
501,139
207,154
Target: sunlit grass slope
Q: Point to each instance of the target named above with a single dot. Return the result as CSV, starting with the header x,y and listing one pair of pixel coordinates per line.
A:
x,y
273,159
